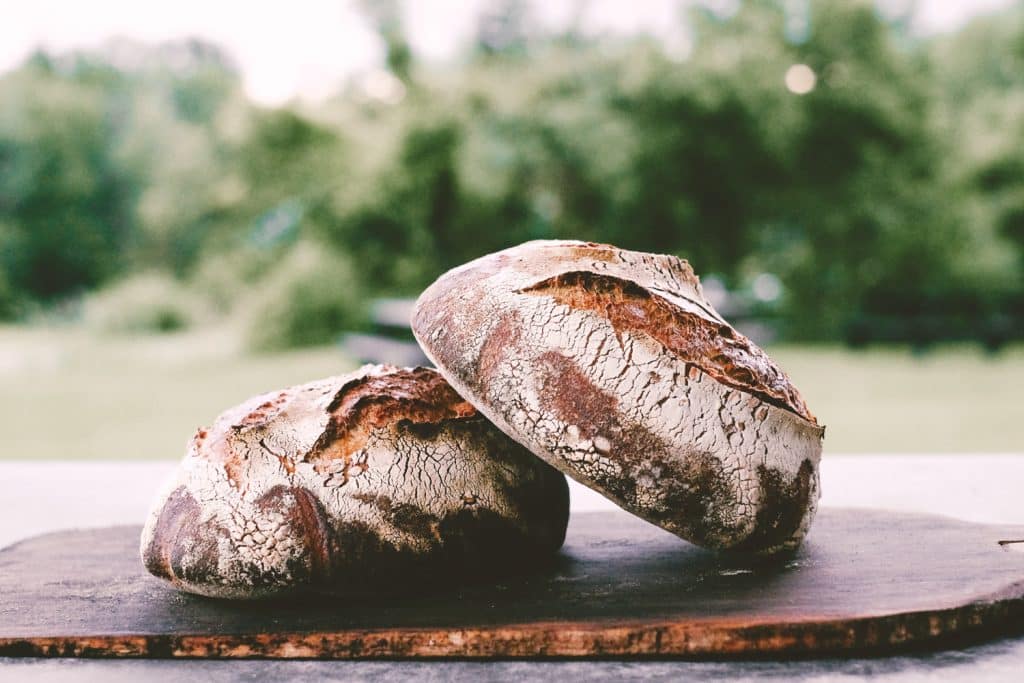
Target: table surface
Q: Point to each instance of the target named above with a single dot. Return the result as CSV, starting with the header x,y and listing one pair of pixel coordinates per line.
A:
x,y
36,497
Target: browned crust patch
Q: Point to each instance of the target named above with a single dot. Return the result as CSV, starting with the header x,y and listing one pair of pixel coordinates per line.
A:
x,y
697,489
418,396
782,509
699,499
306,516
571,396
219,440
182,547
504,336
713,347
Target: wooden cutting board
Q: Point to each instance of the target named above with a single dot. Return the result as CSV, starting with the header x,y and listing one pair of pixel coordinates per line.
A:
x,y
865,581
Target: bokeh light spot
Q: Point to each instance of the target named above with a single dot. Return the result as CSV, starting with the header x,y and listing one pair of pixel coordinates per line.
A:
x,y
766,287
800,79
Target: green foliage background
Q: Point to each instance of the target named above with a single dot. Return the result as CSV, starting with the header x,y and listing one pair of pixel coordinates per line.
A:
x,y
889,201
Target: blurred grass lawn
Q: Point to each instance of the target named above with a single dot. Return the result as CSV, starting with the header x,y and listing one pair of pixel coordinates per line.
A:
x,y
70,394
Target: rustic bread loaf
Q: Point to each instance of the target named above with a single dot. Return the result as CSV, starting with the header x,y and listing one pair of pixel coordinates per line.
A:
x,y
360,484
613,367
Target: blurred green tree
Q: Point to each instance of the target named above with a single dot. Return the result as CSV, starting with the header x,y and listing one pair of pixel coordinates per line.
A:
x,y
883,188
65,203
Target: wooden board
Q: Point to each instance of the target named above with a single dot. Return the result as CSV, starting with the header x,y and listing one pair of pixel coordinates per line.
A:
x,y
864,581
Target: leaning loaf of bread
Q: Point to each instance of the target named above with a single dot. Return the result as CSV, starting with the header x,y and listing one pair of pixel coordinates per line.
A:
x,y
380,481
613,367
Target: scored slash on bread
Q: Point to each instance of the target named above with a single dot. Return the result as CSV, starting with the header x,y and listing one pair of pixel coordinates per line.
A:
x,y
373,482
613,367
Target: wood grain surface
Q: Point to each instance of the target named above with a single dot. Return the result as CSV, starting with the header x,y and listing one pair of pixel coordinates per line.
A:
x,y
865,581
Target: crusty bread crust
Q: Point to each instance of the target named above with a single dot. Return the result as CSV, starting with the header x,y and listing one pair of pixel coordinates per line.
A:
x,y
347,485
419,396
612,366
711,345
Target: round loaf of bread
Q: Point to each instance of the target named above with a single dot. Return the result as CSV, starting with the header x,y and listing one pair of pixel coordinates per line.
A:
x,y
612,366
380,481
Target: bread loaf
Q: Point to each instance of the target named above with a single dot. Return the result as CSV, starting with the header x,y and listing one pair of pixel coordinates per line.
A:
x,y
612,366
379,481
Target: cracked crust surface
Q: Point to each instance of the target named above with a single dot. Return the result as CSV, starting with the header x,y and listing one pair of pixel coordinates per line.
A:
x,y
355,485
613,367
